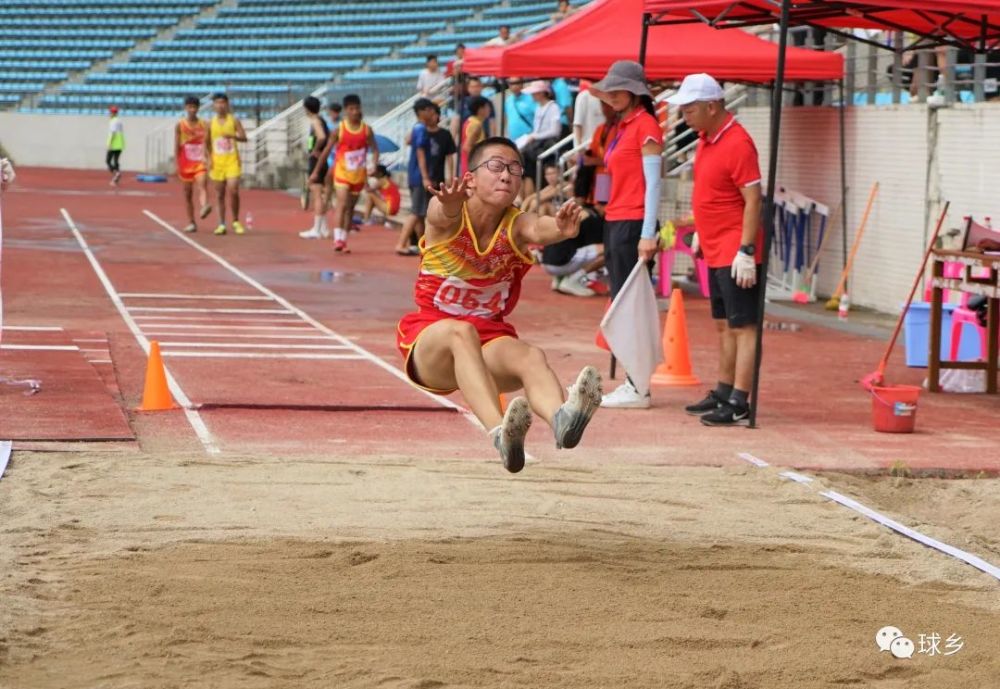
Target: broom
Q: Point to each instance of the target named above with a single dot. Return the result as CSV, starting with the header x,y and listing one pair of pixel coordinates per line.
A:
x,y
834,303
877,377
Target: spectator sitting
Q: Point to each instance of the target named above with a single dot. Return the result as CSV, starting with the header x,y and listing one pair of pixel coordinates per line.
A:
x,y
504,37
545,131
430,77
455,68
573,263
520,110
474,129
563,10
383,194
546,200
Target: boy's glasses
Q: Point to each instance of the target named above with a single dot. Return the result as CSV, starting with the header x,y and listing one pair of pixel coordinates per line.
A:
x,y
496,166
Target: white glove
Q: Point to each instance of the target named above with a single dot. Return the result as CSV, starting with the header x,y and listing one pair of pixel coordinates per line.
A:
x,y
744,270
695,244
7,175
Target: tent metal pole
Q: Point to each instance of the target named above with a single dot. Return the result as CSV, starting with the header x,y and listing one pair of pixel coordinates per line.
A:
x,y
646,17
843,172
777,96
503,109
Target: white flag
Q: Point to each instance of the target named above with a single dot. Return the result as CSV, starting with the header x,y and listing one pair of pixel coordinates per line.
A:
x,y
632,328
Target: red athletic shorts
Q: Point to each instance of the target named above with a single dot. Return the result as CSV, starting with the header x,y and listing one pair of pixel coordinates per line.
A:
x,y
354,188
408,333
190,170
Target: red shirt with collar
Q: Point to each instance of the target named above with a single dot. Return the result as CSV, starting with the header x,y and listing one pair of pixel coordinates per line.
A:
x,y
723,165
624,163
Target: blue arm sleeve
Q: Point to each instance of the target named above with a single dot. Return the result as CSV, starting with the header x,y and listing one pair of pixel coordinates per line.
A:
x,y
651,165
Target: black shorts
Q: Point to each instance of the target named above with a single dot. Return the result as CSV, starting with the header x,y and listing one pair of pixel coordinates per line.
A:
x,y
736,305
561,253
419,198
324,168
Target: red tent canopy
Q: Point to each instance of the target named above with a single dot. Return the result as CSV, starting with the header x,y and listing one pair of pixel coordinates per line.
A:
x,y
588,42
971,23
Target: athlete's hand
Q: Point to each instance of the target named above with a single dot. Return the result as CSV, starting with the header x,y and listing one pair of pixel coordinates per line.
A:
x,y
568,219
452,195
648,248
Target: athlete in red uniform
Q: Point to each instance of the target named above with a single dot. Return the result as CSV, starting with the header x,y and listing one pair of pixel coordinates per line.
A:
x,y
458,339
191,153
383,195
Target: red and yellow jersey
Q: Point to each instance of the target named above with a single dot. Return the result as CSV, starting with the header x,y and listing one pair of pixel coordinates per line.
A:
x,y
351,154
458,280
191,153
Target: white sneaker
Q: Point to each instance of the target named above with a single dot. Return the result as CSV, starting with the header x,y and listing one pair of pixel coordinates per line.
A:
x,y
575,285
625,396
313,233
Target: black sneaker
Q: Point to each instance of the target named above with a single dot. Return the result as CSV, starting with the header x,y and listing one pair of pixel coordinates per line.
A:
x,y
727,415
710,403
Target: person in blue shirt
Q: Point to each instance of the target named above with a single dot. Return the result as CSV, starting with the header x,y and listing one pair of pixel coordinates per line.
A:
x,y
519,110
564,99
417,173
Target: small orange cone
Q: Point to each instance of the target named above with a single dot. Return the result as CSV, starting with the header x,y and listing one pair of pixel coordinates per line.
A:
x,y
599,337
156,396
676,366
503,404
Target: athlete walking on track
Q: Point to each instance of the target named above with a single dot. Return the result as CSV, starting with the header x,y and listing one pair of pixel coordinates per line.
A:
x,y
191,153
226,169
459,338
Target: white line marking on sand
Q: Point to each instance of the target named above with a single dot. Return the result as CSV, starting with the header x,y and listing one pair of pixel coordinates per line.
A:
x,y
5,448
193,417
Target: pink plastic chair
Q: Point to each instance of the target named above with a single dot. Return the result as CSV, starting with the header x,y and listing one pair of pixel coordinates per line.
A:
x,y
667,262
959,317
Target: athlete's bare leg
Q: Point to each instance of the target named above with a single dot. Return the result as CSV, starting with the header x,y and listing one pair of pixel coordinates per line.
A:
x,y
515,365
189,200
448,355
201,181
413,224
220,199
342,195
233,193
371,203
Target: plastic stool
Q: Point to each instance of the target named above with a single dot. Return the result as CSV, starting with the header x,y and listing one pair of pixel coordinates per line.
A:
x,y
667,266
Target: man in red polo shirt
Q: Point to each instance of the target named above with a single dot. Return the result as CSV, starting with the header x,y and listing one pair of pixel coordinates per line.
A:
x,y
727,213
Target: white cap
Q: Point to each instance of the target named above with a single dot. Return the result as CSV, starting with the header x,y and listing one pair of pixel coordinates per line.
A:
x,y
538,86
697,87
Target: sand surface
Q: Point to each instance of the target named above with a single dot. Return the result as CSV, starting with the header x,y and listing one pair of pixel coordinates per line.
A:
x,y
128,569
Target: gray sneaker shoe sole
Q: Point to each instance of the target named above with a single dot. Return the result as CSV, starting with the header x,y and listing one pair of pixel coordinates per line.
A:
x,y
509,442
573,416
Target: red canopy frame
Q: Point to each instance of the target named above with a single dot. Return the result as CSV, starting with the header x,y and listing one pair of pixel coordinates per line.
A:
x,y
973,24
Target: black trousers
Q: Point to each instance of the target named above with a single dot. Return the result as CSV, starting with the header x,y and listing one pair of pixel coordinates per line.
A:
x,y
112,160
621,250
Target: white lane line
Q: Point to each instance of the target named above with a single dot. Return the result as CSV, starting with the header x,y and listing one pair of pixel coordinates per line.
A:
x,y
208,297
5,448
215,319
249,345
292,326
256,336
34,328
86,339
796,476
364,353
102,351
747,457
256,355
192,309
193,417
100,361
42,348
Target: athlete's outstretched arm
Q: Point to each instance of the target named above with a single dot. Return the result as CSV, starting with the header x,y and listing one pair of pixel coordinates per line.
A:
x,y
531,228
444,212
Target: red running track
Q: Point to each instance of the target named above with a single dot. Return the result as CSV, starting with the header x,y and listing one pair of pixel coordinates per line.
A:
x,y
316,377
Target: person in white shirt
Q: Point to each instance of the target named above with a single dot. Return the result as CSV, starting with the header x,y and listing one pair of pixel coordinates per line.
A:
x,y
587,114
546,131
6,174
430,77
504,37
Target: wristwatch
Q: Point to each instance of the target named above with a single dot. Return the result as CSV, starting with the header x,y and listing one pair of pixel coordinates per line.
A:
x,y
748,249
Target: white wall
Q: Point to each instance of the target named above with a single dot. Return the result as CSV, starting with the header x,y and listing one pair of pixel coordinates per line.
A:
x,y
77,141
916,170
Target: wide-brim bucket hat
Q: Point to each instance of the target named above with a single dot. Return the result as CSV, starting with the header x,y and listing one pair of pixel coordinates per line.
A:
x,y
624,75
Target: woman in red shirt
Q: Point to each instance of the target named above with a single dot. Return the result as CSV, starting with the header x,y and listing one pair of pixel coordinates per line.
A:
x,y
633,158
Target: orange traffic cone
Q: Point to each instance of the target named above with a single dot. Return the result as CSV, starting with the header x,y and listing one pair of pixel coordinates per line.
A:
x,y
503,404
676,366
599,337
156,396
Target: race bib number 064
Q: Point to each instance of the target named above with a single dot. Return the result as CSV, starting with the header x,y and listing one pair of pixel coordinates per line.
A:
x,y
458,298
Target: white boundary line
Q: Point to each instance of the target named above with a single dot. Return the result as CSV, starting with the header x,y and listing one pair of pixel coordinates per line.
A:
x,y
5,448
880,518
35,328
193,417
292,326
364,353
43,348
164,343
207,297
239,345
192,309
213,319
256,355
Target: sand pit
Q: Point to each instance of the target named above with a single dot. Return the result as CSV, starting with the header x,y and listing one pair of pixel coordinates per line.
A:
x,y
133,570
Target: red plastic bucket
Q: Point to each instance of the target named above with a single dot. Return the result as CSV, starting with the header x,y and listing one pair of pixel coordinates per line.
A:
x,y
894,408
